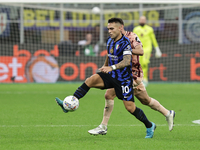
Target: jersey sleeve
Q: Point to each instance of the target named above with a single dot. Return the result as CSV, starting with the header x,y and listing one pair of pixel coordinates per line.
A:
x,y
127,50
153,38
134,39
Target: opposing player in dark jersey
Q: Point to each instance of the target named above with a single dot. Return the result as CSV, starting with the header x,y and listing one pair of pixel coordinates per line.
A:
x,y
116,73
139,89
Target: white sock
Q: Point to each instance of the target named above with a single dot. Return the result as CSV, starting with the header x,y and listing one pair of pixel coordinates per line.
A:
x,y
168,114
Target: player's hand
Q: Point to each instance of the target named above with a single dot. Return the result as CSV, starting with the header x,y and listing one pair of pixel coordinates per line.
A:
x,y
105,69
158,53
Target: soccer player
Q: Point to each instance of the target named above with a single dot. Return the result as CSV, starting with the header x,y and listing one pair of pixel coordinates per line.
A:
x,y
139,89
116,73
147,37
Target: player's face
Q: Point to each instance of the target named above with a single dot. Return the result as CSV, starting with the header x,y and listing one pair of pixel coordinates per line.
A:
x,y
114,30
142,20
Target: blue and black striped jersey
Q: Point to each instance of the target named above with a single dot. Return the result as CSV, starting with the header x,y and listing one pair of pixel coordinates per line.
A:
x,y
116,51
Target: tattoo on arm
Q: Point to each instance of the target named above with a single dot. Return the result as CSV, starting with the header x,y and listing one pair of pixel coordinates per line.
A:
x,y
125,62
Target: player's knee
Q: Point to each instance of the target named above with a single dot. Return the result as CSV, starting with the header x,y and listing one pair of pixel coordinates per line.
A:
x,y
88,82
87,79
91,81
109,96
145,101
130,108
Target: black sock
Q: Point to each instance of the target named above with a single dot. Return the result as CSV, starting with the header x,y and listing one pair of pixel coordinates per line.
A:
x,y
81,91
139,114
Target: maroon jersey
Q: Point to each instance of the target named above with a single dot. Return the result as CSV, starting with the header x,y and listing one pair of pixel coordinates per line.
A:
x,y
136,67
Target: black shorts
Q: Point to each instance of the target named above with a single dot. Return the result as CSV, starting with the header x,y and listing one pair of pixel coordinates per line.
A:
x,y
123,89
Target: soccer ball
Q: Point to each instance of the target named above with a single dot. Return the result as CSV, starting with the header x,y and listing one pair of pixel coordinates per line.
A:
x,y
96,10
71,103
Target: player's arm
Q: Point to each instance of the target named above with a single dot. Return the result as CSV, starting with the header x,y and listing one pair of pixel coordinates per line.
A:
x,y
153,38
105,65
127,55
136,44
158,53
138,50
125,62
106,61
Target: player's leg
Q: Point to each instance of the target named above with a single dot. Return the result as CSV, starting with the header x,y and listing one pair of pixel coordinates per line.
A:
x,y
125,92
144,61
142,95
60,103
95,81
145,71
139,114
109,104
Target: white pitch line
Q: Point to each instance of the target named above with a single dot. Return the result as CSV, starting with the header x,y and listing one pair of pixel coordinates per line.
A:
x,y
136,125
196,121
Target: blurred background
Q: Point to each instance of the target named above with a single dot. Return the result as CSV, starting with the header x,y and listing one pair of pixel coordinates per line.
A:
x,y
53,42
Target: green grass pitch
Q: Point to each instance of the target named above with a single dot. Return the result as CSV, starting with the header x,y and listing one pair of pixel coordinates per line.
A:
x,y
30,119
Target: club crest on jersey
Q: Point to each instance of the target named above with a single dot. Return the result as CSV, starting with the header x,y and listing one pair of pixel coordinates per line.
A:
x,y
117,46
111,50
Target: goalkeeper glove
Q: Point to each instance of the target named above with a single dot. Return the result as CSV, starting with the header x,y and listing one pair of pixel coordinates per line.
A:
x,y
158,53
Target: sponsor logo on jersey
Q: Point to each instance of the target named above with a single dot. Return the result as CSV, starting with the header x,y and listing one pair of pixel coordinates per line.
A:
x,y
113,57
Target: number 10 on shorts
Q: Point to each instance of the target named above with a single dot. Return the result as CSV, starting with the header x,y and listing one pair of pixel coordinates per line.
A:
x,y
125,89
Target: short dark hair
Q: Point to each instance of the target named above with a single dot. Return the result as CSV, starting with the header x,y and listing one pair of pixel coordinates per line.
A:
x,y
116,20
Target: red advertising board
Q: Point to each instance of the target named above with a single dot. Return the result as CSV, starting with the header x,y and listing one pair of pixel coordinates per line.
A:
x,y
12,69
27,63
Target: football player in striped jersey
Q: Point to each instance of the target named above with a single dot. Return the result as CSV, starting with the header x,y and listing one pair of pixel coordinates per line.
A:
x,y
139,89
